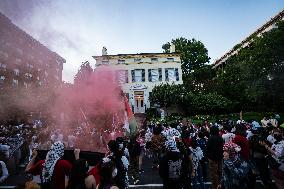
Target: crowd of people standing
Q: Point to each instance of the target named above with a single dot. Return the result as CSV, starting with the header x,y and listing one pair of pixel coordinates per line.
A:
x,y
186,155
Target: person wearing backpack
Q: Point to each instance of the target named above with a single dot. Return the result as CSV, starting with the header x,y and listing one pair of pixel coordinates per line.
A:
x,y
235,170
134,153
3,172
53,169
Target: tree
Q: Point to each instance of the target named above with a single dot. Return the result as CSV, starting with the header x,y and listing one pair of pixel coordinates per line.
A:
x,y
83,74
252,77
192,52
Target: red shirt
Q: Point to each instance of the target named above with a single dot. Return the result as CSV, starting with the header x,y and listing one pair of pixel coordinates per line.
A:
x,y
244,144
95,172
61,169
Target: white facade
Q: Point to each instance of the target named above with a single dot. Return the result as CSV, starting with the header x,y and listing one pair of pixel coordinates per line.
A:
x,y
140,73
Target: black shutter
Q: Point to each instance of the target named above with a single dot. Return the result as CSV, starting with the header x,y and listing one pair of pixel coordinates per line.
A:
x,y
177,75
160,74
126,76
143,75
149,75
167,74
133,75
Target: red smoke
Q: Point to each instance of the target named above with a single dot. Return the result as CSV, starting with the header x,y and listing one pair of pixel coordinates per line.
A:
x,y
98,100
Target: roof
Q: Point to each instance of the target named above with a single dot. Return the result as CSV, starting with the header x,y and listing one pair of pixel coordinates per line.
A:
x,y
138,54
247,40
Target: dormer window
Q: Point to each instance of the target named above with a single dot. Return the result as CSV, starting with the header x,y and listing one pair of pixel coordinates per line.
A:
x,y
137,59
154,59
120,61
170,59
105,62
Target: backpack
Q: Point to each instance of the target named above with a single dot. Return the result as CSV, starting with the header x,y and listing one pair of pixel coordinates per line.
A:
x,y
1,171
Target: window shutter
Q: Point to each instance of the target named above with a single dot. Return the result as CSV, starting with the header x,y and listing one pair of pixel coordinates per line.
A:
x,y
133,75
149,75
143,75
167,74
126,76
160,74
177,75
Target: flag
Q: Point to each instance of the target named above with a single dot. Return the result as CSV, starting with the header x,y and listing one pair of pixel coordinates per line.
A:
x,y
130,123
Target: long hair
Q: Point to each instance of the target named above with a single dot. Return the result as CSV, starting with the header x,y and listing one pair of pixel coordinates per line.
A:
x,y
106,170
78,174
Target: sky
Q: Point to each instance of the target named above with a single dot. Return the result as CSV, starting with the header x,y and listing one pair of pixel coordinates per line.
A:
x,y
78,29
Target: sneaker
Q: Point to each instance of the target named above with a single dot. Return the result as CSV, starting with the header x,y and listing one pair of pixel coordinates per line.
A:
x,y
136,182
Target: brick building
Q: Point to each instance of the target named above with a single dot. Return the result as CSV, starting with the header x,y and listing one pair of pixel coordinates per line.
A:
x,y
25,62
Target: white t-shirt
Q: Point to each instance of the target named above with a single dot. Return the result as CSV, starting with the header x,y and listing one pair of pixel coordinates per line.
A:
x,y
227,137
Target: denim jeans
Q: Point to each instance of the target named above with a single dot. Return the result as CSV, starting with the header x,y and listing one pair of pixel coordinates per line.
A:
x,y
198,178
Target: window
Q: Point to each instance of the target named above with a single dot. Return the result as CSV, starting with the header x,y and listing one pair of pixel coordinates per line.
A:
x,y
138,75
170,74
122,76
3,66
105,62
18,61
19,51
153,75
121,61
137,59
154,59
2,78
15,82
17,71
170,59
30,66
4,55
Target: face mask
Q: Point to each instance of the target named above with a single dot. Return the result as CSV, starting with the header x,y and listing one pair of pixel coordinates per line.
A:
x,y
114,173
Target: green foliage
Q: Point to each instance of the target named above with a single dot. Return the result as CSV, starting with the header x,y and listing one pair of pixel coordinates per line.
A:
x,y
193,54
83,74
252,78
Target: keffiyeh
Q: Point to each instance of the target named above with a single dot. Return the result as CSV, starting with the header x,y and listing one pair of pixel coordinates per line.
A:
x,y
171,146
232,149
54,154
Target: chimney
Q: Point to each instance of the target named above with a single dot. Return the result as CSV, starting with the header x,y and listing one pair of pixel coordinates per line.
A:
x,y
172,48
104,51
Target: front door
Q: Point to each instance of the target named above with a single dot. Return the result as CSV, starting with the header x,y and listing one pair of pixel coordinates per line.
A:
x,y
139,106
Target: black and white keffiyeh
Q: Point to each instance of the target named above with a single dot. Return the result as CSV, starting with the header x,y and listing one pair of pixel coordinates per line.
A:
x,y
54,154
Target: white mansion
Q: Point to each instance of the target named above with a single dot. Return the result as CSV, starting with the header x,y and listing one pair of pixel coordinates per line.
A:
x,y
139,73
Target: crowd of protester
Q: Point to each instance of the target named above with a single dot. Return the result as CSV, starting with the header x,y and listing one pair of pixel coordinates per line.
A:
x,y
187,155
